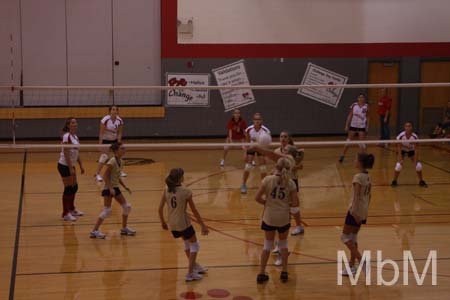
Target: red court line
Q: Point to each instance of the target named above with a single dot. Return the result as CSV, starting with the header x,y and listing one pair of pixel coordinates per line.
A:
x,y
424,200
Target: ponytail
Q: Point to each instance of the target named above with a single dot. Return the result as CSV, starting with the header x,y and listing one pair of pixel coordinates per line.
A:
x,y
283,167
67,125
366,160
174,179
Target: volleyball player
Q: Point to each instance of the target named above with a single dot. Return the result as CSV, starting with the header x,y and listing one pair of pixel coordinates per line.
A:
x,y
177,197
408,149
278,194
358,208
251,135
111,190
236,127
66,168
357,123
110,132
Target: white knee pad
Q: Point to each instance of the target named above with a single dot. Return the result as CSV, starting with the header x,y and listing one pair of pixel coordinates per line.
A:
x,y
187,246
346,237
126,209
105,213
194,247
103,158
418,167
248,167
354,238
295,210
398,167
268,244
263,169
283,244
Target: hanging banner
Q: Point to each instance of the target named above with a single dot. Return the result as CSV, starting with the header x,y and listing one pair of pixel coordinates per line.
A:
x,y
187,98
232,75
318,75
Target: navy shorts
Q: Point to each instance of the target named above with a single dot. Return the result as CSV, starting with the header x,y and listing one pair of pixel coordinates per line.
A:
x,y
253,152
350,220
63,170
106,193
408,153
185,234
356,129
280,229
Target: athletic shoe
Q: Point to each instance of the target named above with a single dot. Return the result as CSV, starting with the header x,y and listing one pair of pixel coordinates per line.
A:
x,y
394,183
123,174
276,250
69,217
345,273
97,235
222,162
199,269
243,189
422,183
278,261
261,278
284,276
77,213
341,158
98,177
298,230
193,276
127,231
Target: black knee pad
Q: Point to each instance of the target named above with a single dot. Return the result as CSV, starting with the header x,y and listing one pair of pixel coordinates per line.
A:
x,y
68,190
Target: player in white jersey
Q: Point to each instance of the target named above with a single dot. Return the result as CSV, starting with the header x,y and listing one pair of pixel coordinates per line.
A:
x,y
278,194
408,149
358,209
357,123
111,127
111,190
177,198
66,168
252,134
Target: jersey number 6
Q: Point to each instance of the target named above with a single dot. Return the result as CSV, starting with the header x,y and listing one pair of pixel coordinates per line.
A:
x,y
173,202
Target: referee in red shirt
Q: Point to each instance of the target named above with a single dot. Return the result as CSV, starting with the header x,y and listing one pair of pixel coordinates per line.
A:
x,y
235,128
384,112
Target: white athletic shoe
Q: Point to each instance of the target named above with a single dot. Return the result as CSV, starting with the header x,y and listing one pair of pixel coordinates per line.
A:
x,y
123,174
278,261
298,230
127,231
193,276
199,269
345,273
69,217
98,177
276,250
97,235
222,162
243,189
77,213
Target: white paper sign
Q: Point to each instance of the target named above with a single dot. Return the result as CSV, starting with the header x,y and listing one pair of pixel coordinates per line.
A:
x,y
318,75
234,74
196,98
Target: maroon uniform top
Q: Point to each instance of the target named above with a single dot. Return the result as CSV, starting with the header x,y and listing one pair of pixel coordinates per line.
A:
x,y
237,128
384,104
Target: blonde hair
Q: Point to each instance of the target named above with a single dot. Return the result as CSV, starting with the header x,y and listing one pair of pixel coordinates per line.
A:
x,y
283,167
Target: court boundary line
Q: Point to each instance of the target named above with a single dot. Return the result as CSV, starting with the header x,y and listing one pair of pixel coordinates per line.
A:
x,y
210,267
12,283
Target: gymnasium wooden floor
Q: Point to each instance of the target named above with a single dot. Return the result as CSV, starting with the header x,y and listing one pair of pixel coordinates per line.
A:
x,y
57,260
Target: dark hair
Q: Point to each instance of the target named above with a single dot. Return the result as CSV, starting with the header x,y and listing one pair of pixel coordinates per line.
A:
x,y
174,179
67,124
115,146
111,107
362,94
366,160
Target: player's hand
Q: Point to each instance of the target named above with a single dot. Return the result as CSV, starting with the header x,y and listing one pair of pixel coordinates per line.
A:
x,y
72,171
164,226
128,190
205,230
81,170
357,218
112,193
